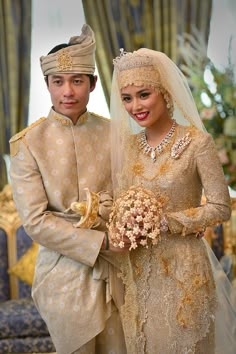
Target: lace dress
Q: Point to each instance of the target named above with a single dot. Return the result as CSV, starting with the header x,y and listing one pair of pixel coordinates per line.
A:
x,y
170,298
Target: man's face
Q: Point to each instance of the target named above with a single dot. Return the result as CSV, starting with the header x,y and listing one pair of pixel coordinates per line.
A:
x,y
70,93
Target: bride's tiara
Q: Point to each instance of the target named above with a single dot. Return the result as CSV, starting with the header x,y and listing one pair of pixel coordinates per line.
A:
x,y
128,60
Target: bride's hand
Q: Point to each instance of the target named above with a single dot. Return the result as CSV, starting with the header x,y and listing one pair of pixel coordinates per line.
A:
x,y
110,247
126,247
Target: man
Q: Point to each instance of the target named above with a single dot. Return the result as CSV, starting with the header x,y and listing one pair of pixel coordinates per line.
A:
x,y
56,162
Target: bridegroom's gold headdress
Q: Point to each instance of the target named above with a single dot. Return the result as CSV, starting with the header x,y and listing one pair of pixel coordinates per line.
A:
x,y
77,57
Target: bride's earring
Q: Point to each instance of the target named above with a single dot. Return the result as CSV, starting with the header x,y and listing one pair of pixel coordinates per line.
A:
x,y
169,103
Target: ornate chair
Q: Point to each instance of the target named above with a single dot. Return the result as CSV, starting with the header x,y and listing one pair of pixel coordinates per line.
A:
x,y
22,330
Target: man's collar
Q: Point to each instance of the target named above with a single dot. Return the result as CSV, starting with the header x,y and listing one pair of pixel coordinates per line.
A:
x,y
64,120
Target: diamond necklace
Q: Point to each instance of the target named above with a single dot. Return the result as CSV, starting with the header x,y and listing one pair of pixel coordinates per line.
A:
x,y
153,151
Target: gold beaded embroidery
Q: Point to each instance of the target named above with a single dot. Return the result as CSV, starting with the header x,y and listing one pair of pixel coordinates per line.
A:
x,y
67,121
63,121
14,141
136,69
139,77
137,169
164,168
191,212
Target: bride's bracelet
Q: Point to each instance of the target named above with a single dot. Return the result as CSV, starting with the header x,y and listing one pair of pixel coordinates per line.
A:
x,y
164,225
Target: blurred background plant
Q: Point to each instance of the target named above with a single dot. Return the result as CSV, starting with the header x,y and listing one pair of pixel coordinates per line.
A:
x,y
214,91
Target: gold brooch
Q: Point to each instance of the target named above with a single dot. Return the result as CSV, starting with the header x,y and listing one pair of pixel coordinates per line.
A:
x,y
64,60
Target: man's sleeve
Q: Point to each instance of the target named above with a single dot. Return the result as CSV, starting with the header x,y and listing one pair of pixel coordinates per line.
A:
x,y
41,225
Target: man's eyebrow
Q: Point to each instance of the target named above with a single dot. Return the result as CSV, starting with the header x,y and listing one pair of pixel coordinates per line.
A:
x,y
56,76
77,75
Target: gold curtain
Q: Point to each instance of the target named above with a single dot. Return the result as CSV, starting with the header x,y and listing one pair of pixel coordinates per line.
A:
x,y
132,24
15,46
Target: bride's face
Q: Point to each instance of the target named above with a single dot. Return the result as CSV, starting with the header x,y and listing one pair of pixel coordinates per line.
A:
x,y
145,104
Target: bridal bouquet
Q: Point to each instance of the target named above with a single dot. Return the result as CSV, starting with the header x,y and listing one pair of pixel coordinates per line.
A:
x,y
135,214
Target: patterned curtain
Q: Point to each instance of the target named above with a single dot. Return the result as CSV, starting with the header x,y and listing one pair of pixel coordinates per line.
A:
x,y
132,24
15,46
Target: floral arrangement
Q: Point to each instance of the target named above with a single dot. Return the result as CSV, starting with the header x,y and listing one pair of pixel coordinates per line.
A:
x,y
214,91
136,214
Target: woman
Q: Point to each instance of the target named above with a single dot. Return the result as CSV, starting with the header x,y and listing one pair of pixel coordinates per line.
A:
x,y
159,144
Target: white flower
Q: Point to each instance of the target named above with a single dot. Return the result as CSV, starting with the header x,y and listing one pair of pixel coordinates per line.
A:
x,y
139,218
140,211
129,233
144,233
121,244
143,242
136,230
133,211
137,203
133,246
132,238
